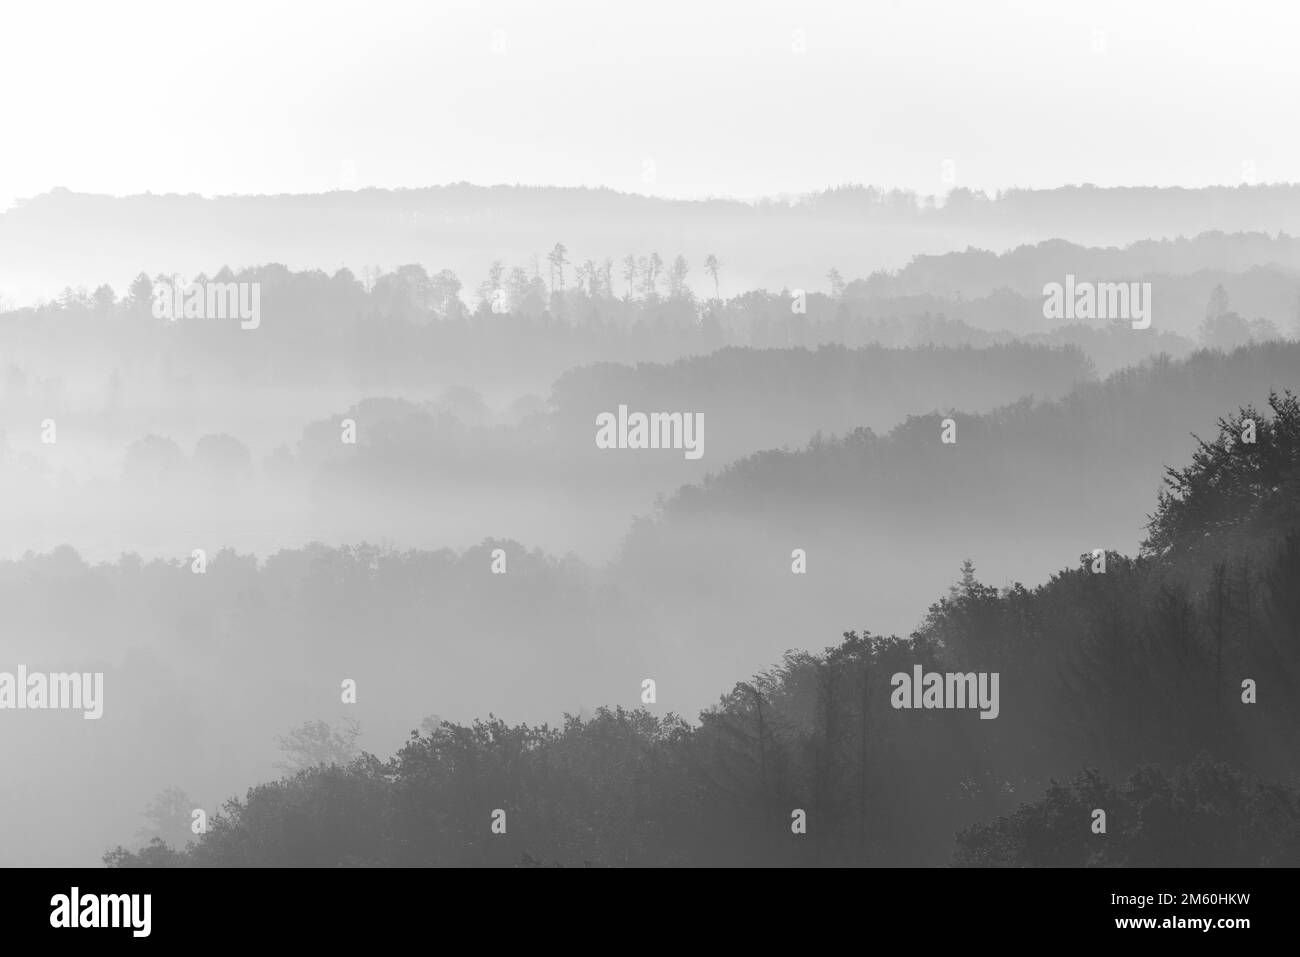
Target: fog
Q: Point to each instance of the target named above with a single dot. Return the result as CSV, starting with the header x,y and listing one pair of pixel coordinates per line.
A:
x,y
649,426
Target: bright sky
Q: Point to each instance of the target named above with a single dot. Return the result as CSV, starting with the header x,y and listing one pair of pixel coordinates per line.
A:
x,y
273,96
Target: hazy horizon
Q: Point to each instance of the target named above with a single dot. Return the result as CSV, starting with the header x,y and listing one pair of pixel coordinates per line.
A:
x,y
788,97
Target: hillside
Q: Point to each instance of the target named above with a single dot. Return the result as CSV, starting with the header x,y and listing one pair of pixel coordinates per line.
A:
x,y
1141,665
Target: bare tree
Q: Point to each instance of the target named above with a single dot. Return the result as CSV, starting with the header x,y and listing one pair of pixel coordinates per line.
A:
x,y
650,269
557,258
607,272
495,276
169,816
677,277
314,743
711,266
629,272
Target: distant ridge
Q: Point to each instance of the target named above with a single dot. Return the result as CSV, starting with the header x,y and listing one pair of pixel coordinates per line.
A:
x,y
64,238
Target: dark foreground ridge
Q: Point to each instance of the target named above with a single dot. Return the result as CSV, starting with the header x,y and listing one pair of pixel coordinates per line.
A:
x,y
1166,686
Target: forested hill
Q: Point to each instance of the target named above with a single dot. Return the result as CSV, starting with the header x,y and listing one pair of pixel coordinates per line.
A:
x,y
1178,669
1027,486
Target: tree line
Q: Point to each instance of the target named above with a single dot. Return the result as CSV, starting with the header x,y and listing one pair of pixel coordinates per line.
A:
x,y
1136,673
